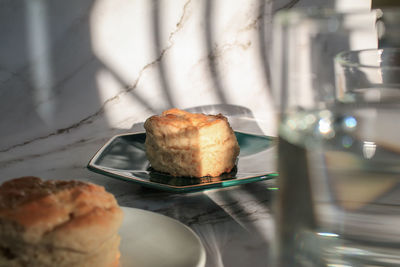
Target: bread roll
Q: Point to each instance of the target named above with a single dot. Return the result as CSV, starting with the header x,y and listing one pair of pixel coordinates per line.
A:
x,y
58,223
190,144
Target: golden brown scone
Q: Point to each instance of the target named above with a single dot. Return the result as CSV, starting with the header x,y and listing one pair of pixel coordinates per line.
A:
x,y
57,223
190,144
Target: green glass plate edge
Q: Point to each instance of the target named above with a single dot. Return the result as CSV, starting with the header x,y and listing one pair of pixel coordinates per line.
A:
x,y
177,189
196,188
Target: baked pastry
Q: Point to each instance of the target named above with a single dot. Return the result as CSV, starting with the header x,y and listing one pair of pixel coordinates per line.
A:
x,y
190,144
58,223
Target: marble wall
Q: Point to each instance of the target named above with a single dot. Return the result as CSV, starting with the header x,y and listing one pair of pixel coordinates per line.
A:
x,y
71,71
77,72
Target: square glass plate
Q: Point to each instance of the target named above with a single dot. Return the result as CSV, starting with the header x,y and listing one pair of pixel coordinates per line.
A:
x,y
124,157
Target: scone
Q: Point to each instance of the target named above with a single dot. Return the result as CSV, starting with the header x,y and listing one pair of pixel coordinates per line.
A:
x,y
58,223
190,144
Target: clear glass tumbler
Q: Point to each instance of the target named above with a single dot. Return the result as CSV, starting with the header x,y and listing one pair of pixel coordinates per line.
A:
x,y
338,162
342,165
371,75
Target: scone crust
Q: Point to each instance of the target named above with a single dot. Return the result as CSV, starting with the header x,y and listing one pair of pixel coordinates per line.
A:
x,y
66,216
190,144
180,120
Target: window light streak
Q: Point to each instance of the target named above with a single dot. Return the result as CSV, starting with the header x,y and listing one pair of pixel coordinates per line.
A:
x,y
39,52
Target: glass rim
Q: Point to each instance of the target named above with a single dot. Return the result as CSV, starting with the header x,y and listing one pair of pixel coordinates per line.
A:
x,y
366,105
321,13
338,107
327,19
342,58
331,11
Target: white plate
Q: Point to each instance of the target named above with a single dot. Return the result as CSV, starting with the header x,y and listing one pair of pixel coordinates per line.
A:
x,y
149,239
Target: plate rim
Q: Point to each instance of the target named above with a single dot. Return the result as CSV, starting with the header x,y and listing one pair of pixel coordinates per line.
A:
x,y
166,187
203,253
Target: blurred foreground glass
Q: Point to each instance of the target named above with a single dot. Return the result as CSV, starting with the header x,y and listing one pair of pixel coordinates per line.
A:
x,y
305,43
371,75
342,166
327,212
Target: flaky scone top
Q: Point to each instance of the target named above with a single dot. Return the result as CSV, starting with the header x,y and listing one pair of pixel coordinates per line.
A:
x,y
72,214
180,119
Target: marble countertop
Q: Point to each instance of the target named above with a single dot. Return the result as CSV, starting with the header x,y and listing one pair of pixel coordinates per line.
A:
x,y
235,224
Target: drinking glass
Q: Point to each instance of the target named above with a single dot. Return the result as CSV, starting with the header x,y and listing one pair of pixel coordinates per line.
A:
x,y
305,42
338,162
371,75
342,165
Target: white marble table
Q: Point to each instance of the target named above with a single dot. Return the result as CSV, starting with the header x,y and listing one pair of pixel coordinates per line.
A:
x,y
75,73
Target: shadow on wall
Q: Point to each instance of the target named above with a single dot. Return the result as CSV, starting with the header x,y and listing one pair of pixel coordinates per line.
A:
x,y
48,68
